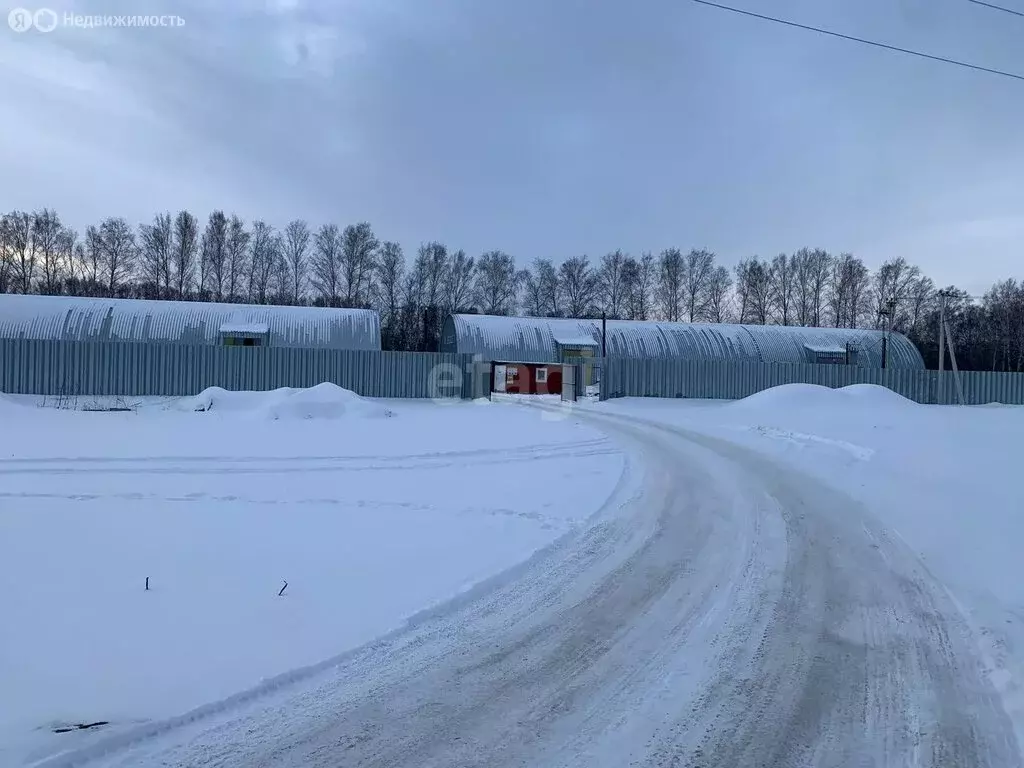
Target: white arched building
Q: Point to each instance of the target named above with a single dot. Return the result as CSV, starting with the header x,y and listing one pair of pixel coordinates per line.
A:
x,y
552,340
72,318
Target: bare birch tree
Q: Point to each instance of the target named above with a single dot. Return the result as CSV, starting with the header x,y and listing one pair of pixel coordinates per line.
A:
x,y
892,285
326,264
262,260
639,278
697,267
459,277
156,245
783,277
671,287
611,282
119,253
819,270
754,291
550,287
6,256
214,259
186,248
237,246
581,287
718,297
358,251
390,272
92,271
803,287
48,238
296,253
532,294
497,283
20,248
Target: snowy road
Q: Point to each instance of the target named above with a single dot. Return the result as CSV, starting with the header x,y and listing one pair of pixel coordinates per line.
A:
x,y
720,611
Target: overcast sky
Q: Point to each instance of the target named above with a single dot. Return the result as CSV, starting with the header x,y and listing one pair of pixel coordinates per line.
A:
x,y
540,127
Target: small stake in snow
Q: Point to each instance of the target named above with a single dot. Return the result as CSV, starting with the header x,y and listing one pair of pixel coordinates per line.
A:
x,y
147,583
283,589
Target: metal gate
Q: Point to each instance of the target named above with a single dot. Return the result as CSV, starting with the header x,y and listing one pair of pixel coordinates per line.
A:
x,y
571,374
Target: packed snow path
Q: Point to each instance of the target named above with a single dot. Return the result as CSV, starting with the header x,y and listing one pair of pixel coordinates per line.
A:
x,y
721,611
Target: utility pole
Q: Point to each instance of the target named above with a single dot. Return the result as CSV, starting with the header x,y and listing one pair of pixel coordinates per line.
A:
x,y
956,370
887,312
604,351
940,392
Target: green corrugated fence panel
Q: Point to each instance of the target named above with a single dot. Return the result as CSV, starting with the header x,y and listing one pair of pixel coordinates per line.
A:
x,y
135,369
110,368
730,380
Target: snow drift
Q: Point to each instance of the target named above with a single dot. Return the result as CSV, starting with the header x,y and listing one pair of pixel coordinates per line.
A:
x,y
324,401
815,396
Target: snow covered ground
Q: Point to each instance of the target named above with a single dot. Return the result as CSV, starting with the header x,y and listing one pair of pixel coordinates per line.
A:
x,y
947,480
371,511
805,577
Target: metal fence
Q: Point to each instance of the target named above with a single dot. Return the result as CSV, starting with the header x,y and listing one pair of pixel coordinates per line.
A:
x,y
728,380
35,367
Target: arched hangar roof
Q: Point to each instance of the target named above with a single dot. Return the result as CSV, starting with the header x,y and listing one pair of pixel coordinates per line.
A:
x,y
540,339
186,322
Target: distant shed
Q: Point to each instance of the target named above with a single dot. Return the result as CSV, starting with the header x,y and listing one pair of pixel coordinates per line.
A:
x,y
186,322
552,340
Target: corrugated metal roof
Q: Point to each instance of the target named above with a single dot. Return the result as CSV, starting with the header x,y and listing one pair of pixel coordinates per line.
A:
x,y
534,339
187,322
575,341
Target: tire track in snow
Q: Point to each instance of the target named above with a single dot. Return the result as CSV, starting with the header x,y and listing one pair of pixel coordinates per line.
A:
x,y
726,612
292,465
351,505
526,449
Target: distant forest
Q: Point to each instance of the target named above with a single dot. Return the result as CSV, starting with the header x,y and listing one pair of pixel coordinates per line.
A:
x,y
227,259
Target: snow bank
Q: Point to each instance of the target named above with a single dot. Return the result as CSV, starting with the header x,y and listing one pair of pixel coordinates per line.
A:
x,y
817,396
876,395
7,402
324,401
786,396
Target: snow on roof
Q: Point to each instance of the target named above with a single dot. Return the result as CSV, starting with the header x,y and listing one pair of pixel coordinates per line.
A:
x,y
535,339
575,341
245,328
184,322
825,349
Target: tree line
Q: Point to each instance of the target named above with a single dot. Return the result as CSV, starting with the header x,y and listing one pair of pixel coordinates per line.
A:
x,y
226,259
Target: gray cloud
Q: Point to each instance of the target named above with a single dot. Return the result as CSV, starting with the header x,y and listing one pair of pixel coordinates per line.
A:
x,y
543,128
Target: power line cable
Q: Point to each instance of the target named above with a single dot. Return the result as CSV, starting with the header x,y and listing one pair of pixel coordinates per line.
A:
x,y
861,40
997,7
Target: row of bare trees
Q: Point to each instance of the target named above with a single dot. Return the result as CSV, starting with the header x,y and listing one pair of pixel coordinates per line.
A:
x,y
226,259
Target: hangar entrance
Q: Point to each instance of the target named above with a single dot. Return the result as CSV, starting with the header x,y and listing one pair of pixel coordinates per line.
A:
x,y
576,350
